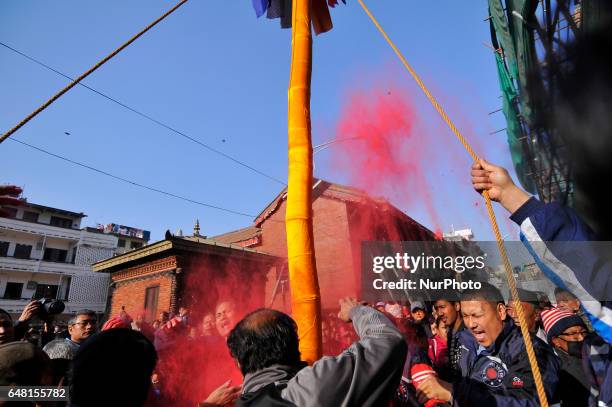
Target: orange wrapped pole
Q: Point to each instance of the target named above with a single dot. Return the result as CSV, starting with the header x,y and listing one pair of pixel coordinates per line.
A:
x,y
305,296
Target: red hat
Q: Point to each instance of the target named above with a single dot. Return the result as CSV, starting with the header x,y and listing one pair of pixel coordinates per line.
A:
x,y
556,320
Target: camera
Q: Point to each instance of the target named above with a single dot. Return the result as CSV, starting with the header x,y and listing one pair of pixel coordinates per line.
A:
x,y
51,306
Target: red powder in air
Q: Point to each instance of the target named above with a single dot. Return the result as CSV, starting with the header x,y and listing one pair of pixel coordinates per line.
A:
x,y
380,149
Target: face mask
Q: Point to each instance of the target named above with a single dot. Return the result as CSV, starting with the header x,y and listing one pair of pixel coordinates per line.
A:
x,y
575,349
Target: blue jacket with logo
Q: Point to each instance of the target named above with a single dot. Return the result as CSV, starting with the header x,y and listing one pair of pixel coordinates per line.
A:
x,y
500,375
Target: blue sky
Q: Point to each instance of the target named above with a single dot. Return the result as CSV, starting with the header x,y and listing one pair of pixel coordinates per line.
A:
x,y
215,72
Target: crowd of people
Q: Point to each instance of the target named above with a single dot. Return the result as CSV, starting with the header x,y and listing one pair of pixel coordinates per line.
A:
x,y
462,349
432,335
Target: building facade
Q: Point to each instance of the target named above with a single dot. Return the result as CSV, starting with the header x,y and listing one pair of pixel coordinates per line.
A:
x,y
44,253
128,238
343,218
189,271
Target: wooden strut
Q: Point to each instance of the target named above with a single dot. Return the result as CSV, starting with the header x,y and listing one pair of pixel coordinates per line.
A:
x,y
500,243
88,72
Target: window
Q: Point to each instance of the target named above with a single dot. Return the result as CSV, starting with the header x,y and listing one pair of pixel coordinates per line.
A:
x,y
136,245
150,304
61,222
121,243
13,291
22,251
45,291
64,290
57,255
29,216
4,249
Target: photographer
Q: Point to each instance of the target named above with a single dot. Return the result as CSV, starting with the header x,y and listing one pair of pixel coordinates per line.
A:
x,y
42,310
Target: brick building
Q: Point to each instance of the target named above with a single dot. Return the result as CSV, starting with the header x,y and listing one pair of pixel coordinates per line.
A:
x,y
186,271
343,217
251,262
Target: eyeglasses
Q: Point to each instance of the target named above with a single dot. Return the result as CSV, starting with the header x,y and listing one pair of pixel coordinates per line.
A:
x,y
6,324
91,322
582,334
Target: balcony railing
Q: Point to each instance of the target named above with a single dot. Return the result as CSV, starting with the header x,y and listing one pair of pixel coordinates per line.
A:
x,y
32,265
38,228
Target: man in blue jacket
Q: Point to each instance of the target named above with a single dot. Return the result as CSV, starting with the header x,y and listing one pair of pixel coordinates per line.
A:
x,y
494,367
560,243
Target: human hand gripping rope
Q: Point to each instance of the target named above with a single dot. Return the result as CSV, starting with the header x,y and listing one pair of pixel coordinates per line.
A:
x,y
493,220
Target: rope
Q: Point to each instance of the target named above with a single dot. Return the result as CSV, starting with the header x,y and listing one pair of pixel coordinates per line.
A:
x,y
88,72
500,243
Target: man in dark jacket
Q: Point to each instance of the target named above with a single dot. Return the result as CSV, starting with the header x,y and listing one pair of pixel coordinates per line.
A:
x,y
494,367
566,332
563,248
265,345
449,310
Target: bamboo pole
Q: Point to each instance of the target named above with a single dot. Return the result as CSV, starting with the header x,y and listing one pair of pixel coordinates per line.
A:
x,y
305,296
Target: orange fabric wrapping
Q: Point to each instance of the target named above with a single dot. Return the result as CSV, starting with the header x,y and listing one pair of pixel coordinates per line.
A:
x,y
305,296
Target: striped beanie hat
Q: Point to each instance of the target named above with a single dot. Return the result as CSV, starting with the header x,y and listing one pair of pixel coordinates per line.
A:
x,y
556,320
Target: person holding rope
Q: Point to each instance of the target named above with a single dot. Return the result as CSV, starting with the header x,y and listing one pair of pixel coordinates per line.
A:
x,y
584,272
493,367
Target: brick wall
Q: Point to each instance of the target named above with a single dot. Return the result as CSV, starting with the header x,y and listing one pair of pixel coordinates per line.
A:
x,y
131,285
131,294
332,247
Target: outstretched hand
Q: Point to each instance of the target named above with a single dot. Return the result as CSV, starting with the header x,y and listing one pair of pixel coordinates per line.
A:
x,y
499,184
222,395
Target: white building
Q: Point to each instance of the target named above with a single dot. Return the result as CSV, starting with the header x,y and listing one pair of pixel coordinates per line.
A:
x,y
44,253
128,238
459,234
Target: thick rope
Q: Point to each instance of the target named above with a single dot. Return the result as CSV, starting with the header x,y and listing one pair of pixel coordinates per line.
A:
x,y
88,72
500,243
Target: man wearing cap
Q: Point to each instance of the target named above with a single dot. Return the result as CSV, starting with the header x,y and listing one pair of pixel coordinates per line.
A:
x,y
566,332
418,313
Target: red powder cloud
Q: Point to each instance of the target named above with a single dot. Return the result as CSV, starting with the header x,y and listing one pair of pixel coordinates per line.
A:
x,y
381,150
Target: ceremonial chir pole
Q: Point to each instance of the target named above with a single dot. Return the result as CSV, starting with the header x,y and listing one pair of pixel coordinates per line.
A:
x,y
305,296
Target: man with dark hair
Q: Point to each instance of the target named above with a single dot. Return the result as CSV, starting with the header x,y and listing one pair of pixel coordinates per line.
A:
x,y
450,314
23,364
531,309
494,366
265,345
113,368
263,338
81,326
